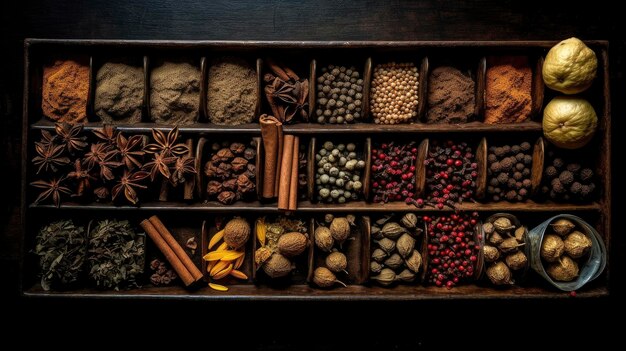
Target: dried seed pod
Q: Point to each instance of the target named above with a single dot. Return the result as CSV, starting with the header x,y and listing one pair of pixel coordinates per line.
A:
x,y
491,253
405,245
509,245
414,262
577,244
520,234
499,274
376,233
406,276
565,270
488,228
552,248
340,229
394,261
277,266
386,244
393,230
324,278
563,226
351,219
379,255
261,255
323,239
385,277
503,224
328,218
236,232
516,261
409,220
292,244
375,267
337,262
495,238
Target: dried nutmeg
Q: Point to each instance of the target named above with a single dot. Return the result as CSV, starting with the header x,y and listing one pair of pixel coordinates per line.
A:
x,y
406,276
262,254
577,244
509,245
386,244
337,262
563,226
385,277
324,278
552,248
379,255
565,270
376,233
488,228
516,261
393,230
323,238
394,261
491,253
503,224
499,274
292,244
236,232
520,234
375,267
414,262
237,148
239,164
405,245
409,220
277,266
340,229
495,238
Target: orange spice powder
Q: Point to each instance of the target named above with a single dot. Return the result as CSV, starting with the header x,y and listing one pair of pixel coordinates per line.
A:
x,y
65,91
508,90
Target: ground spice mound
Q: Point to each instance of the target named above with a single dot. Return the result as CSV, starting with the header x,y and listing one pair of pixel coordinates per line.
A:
x,y
450,96
232,92
65,91
175,94
508,88
119,93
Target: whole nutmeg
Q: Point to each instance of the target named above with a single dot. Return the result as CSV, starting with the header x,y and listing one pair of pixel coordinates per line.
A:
x,y
236,232
562,226
577,244
409,220
376,233
405,245
564,270
488,228
414,262
385,277
552,248
516,261
324,278
292,244
386,244
394,261
379,255
406,276
375,267
499,274
520,234
337,262
277,266
509,245
340,229
393,230
495,238
503,225
491,253
323,238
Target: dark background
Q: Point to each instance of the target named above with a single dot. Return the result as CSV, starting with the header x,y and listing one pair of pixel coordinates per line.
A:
x,y
435,324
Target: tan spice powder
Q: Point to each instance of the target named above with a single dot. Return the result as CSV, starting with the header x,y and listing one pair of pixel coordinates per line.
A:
x,y
175,94
232,92
119,93
508,90
65,91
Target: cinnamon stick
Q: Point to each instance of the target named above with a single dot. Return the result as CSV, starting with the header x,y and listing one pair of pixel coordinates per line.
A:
x,y
175,246
270,129
285,173
281,141
190,182
169,254
293,186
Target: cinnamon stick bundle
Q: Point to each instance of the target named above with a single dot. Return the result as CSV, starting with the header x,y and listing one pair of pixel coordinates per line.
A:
x,y
285,173
272,134
293,186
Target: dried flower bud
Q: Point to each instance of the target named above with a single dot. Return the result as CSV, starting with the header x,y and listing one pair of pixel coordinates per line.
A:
x,y
244,184
237,148
214,187
227,197
210,170
224,155
239,164
230,184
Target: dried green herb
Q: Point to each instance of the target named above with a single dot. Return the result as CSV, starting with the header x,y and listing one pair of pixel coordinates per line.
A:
x,y
61,249
116,255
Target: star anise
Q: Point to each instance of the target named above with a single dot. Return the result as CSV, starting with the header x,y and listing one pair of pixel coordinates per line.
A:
x,y
127,185
102,193
97,154
106,133
82,176
49,156
130,149
159,164
70,136
52,188
165,144
184,166
107,164
47,138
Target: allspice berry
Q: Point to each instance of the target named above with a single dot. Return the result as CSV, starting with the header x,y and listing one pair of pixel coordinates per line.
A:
x,y
277,266
292,244
323,238
577,244
552,248
340,229
516,261
563,226
324,278
236,232
565,270
491,253
499,274
337,262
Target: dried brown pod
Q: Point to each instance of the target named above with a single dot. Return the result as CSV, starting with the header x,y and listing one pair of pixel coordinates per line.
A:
x,y
491,253
379,255
230,184
516,261
237,148
562,226
414,262
223,155
324,278
509,245
393,230
385,277
503,224
375,267
520,234
565,270
376,233
386,244
249,154
406,276
577,244
488,228
292,244
236,232
262,254
323,238
351,219
405,245
409,220
277,266
244,184
340,229
239,164
495,238
552,248
394,261
337,262
214,187
499,274
226,197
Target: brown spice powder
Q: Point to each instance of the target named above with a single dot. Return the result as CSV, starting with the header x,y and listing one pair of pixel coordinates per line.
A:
x,y
508,90
65,91
450,96
119,93
175,94
232,92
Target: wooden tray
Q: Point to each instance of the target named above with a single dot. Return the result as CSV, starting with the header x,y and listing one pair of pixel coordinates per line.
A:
x,y
311,55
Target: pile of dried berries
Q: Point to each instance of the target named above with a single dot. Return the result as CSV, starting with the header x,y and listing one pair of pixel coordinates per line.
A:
x,y
339,171
163,274
451,174
394,93
502,251
393,172
282,242
452,249
227,257
395,255
508,171
231,171
329,239
286,93
339,95
567,181
563,251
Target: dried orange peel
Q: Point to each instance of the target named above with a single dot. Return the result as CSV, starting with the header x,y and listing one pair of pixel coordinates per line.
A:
x,y
223,261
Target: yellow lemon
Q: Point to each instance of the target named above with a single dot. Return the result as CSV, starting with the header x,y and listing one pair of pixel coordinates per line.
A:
x,y
569,122
570,67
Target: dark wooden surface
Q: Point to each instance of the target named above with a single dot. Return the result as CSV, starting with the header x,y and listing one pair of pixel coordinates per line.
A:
x,y
307,20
